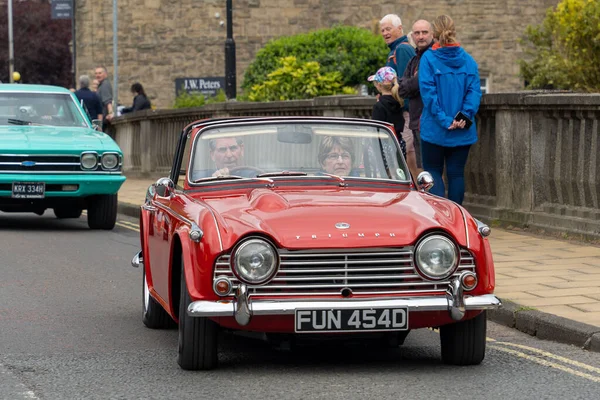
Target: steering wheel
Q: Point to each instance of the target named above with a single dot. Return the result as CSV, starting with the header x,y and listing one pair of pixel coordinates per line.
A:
x,y
258,171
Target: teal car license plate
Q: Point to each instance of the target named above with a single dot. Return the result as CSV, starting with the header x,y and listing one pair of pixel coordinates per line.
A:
x,y
357,320
28,190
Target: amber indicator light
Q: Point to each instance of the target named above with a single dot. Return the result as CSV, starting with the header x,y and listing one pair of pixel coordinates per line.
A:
x,y
223,287
470,281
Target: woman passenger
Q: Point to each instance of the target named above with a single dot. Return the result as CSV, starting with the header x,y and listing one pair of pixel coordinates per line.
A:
x,y
336,154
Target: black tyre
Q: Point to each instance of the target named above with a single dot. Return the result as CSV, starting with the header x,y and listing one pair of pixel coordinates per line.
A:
x,y
463,343
102,211
198,337
67,212
153,315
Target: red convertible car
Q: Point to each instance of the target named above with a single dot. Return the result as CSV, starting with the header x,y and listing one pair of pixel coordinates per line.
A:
x,y
308,226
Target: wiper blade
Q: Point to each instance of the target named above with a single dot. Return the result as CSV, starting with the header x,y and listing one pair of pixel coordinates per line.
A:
x,y
15,121
282,173
339,178
218,178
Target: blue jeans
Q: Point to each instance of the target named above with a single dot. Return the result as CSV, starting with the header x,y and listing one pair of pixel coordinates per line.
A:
x,y
455,158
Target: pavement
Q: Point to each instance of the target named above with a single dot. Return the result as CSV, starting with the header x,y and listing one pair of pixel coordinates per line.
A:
x,y
550,288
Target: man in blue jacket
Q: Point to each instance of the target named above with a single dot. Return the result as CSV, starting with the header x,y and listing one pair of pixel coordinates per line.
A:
x,y
449,84
400,54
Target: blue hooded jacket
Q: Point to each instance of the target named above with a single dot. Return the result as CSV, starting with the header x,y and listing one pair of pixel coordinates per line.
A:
x,y
449,83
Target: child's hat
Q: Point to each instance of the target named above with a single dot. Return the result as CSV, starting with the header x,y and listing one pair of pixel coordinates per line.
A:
x,y
384,74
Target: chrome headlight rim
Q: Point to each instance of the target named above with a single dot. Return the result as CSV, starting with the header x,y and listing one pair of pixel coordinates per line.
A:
x,y
81,162
233,260
428,238
117,161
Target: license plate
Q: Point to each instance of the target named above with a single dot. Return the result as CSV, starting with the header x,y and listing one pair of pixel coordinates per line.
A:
x,y
358,320
28,190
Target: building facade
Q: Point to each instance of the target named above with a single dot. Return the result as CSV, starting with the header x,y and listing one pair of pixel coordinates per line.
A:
x,y
160,41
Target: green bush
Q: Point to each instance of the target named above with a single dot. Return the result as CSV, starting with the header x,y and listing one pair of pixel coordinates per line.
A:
x,y
563,52
197,99
354,52
298,80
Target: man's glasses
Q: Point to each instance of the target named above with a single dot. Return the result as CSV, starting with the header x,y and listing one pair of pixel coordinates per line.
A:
x,y
335,156
232,149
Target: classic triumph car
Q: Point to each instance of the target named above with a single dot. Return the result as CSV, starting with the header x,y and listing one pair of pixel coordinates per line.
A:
x,y
52,157
313,227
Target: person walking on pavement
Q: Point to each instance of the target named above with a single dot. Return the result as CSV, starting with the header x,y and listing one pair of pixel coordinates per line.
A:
x,y
451,92
401,52
90,99
409,83
106,96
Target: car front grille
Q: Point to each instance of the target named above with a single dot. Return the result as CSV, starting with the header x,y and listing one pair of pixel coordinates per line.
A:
x,y
364,272
11,163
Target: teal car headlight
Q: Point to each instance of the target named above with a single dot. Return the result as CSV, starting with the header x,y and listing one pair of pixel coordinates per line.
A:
x,y
110,161
89,160
255,261
436,257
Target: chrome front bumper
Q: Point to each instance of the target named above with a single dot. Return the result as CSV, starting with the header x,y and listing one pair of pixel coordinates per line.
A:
x,y
243,308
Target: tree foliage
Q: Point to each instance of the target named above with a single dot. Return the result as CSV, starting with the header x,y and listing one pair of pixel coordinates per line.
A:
x,y
298,80
41,45
564,50
353,52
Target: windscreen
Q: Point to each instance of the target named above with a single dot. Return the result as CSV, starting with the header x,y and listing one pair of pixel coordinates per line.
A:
x,y
248,150
54,109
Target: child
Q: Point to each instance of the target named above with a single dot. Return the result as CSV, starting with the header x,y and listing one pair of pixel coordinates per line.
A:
x,y
389,106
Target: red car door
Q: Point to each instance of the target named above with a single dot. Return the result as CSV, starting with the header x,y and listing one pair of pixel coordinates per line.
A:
x,y
158,245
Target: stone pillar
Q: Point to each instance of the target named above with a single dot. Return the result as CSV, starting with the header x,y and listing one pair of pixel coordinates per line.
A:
x,y
146,146
124,138
514,180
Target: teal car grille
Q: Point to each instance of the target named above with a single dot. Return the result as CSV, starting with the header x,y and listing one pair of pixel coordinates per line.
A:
x,y
39,163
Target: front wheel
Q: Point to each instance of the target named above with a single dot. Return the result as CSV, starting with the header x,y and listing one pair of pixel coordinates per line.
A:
x,y
102,211
463,343
198,336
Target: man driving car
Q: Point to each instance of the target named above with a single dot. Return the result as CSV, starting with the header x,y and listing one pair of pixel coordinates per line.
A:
x,y
227,154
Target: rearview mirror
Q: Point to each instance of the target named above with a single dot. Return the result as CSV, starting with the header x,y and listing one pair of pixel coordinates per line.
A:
x,y
297,134
97,124
164,187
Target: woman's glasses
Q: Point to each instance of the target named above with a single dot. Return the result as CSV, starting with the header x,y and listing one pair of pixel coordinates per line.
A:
x,y
335,156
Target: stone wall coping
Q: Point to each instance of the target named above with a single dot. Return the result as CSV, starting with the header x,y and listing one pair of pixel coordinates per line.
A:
x,y
525,99
541,98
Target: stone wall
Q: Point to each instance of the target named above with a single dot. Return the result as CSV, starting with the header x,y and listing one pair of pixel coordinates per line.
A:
x,y
160,40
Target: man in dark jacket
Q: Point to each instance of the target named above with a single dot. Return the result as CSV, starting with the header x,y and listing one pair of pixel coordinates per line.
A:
x,y
90,99
409,83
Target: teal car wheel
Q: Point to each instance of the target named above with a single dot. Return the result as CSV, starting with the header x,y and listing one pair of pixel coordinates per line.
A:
x,y
102,211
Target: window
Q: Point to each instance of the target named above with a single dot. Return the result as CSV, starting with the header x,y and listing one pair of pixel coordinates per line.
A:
x,y
485,84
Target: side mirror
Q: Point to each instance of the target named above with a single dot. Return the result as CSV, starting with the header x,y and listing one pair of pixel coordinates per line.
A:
x,y
424,181
164,187
97,124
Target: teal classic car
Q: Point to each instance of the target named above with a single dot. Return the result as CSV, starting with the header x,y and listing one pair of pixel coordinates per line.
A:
x,y
51,156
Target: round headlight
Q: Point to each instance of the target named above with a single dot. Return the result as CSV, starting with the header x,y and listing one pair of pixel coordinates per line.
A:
x,y
255,261
436,257
110,161
89,160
